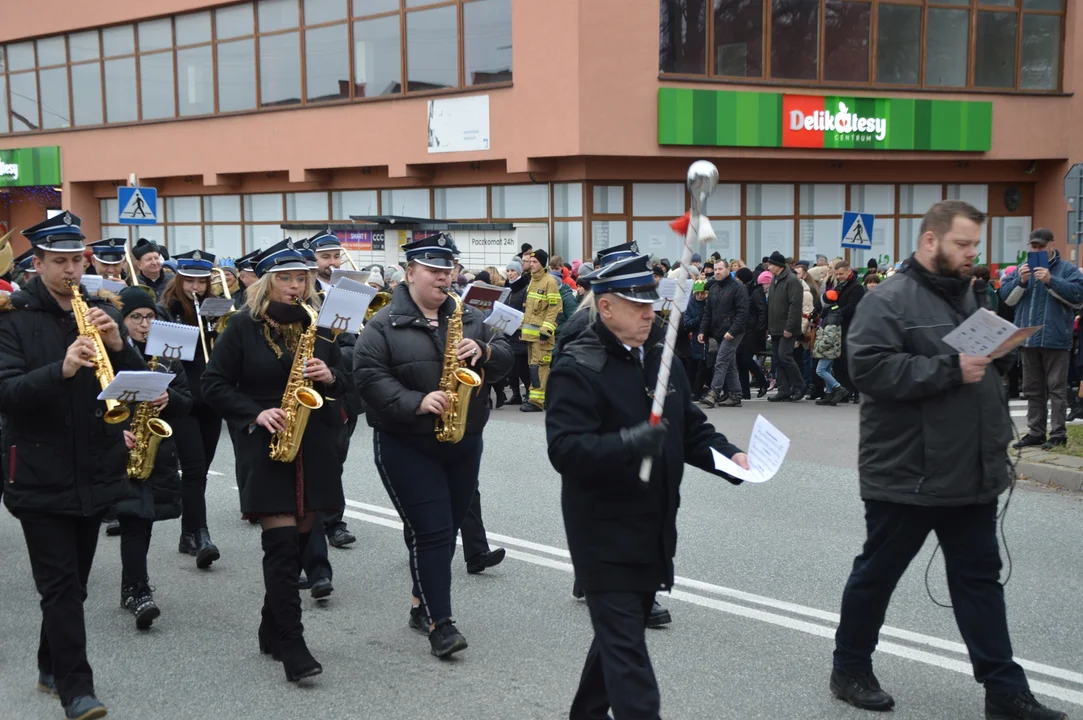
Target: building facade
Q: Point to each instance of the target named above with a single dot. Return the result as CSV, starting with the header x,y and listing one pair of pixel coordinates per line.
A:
x,y
573,120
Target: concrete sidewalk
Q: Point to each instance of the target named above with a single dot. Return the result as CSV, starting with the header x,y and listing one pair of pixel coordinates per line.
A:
x,y
1050,468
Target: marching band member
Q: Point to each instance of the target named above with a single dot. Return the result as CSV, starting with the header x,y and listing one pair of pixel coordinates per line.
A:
x,y
246,275
328,252
399,361
24,265
108,258
159,496
198,432
622,533
246,380
148,265
66,463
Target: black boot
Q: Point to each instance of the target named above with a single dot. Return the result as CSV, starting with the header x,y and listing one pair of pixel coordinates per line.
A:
x,y
659,616
187,545
268,631
862,690
281,566
141,604
1017,706
206,551
813,391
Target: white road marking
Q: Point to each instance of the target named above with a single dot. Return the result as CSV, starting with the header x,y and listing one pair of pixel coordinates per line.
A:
x,y
216,473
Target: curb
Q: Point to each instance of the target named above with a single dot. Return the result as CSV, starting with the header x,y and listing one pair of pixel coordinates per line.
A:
x,y
1052,475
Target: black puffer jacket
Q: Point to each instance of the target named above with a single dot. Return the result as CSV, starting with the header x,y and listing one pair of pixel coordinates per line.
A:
x,y
517,301
755,337
726,310
399,359
61,456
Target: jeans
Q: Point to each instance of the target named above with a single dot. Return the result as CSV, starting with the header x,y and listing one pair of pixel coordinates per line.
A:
x,y
823,371
726,380
1045,383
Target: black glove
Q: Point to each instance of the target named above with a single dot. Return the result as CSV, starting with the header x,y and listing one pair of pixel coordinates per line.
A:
x,y
645,439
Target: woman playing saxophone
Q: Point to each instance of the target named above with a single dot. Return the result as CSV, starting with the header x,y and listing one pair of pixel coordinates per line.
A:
x,y
428,449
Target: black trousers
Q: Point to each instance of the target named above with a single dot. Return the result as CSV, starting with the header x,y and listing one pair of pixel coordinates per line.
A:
x,y
134,545
197,437
787,372
968,539
473,530
61,549
314,560
746,363
520,375
618,672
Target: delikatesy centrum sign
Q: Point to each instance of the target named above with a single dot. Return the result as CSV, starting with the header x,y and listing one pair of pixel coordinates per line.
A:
x,y
26,167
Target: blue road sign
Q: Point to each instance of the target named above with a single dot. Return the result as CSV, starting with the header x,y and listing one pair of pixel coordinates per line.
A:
x,y
857,230
138,206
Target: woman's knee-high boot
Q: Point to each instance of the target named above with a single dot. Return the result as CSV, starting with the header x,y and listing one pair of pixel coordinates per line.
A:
x,y
281,566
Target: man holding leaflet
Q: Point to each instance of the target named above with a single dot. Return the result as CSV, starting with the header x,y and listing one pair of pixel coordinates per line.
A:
x,y
932,457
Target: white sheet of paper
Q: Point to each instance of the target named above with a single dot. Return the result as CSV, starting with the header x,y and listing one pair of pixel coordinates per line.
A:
x,y
357,276
344,310
214,307
92,283
766,451
136,386
172,341
113,286
981,334
504,319
667,294
354,286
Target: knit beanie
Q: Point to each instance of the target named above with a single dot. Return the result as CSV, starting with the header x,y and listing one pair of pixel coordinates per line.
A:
x,y
744,275
765,278
778,259
542,257
132,298
516,266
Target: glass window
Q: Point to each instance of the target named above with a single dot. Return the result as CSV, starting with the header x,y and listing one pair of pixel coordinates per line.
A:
x,y
223,240
362,203
306,206
321,11
432,49
1041,53
568,238
51,51
727,240
823,200
994,50
725,200
770,200
487,41
156,84
233,21
976,195
195,76
236,75
524,201
193,28
155,35
567,200
738,38
263,207
183,209
1008,237
84,46
946,47
917,199
262,236
327,63
795,39
110,211
184,238
54,98
21,56
24,101
821,237
658,199
118,40
4,124
221,208
277,15
655,237
682,40
1043,4
764,237
280,69
155,233
377,57
465,203
405,202
846,40
118,231
607,233
608,200
898,44
883,245
875,199
373,7
120,101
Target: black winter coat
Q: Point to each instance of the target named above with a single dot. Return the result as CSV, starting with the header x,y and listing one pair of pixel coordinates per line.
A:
x,y
569,331
755,338
60,456
850,294
622,536
399,359
726,310
246,377
517,300
195,367
784,304
159,496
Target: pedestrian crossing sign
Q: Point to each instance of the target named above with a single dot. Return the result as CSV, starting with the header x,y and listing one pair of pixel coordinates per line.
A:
x,y
857,230
138,206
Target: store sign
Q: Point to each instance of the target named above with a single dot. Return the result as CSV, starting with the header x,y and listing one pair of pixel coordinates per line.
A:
x,y
361,239
27,167
728,118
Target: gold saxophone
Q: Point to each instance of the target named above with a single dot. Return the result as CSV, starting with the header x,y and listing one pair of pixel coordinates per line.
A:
x,y
457,380
149,432
115,411
300,399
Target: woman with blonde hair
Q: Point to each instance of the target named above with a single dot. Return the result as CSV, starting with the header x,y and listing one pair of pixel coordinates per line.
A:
x,y
495,276
736,264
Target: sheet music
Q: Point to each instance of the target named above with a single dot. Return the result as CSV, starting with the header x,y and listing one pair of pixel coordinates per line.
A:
x,y
357,276
766,452
214,307
667,293
504,318
137,386
987,334
354,286
113,286
344,310
92,283
172,341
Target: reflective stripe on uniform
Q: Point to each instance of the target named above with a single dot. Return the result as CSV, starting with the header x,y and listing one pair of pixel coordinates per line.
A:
x,y
536,296
549,327
529,333
554,298
537,394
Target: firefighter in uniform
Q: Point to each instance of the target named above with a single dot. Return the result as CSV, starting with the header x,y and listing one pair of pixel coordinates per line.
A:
x,y
543,304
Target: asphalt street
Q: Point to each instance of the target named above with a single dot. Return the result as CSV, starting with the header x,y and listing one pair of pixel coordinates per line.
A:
x,y
761,570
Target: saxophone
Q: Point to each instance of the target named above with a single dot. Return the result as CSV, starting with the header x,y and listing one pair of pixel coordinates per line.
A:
x,y
149,432
299,399
115,411
457,380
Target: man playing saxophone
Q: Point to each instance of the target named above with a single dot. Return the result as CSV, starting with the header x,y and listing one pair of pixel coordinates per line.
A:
x,y
262,348
66,463
402,357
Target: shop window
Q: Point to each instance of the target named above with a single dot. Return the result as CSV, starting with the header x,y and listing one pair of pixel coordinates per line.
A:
x,y
307,206
607,233
84,46
567,200
994,50
822,236
658,199
277,15
327,63
764,237
875,199
883,245
348,203
1007,239
405,202
657,239
374,7
465,203
24,101
116,231
184,238
280,69
86,90
51,51
120,98
683,37
846,40
156,85
4,122
221,208
1040,68
568,239
377,57
432,49
262,236
738,43
727,242
795,39
117,41
917,199
155,35
154,233
258,208
223,240
324,11
946,47
195,76
976,195
724,201
768,200
54,98
608,200
524,201
233,21
183,209
236,75
20,56
823,200
194,28
487,41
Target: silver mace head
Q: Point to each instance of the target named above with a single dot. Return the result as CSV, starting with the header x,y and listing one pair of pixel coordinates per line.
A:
x,y
702,179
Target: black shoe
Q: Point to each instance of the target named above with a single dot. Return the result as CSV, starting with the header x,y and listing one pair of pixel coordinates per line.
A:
x,y
577,592
85,707
530,407
855,398
1076,414
322,589
112,529
268,632
779,397
303,583
418,619
1054,442
445,639
515,400
659,616
797,395
501,401
1017,706
862,690
187,544
47,684
761,392
1029,441
478,563
206,552
340,537
814,392
141,604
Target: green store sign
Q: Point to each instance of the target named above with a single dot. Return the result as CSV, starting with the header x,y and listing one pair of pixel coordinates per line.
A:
x,y
728,118
26,167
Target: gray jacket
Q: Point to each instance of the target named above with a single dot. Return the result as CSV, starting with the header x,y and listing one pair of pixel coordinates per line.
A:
x,y
926,438
784,304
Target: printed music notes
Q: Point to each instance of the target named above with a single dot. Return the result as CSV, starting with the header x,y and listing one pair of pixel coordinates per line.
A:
x,y
504,319
344,310
214,307
667,294
136,386
113,286
987,334
354,286
172,341
766,451
358,276
482,296
92,283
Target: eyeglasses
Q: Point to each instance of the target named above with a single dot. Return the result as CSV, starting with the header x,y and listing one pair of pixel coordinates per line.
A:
x,y
140,319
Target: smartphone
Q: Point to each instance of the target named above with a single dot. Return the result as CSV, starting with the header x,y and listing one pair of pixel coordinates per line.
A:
x,y
1037,260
